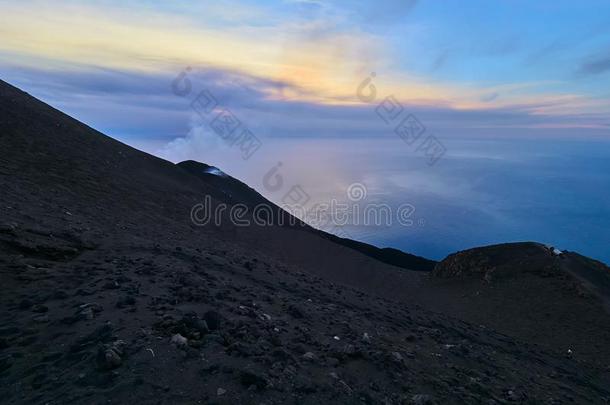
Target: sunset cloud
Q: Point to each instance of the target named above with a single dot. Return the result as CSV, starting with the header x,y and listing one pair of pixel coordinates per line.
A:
x,y
316,56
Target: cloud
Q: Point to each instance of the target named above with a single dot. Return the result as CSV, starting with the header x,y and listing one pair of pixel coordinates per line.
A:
x,y
292,77
595,66
314,55
141,106
318,58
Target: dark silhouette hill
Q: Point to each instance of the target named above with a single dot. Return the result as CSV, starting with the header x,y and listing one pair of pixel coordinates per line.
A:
x,y
526,290
110,293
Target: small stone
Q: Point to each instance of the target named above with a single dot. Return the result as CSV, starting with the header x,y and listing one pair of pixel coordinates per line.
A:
x,y
346,388
220,392
350,351
42,318
88,311
421,399
397,357
87,314
111,285
8,227
309,356
514,396
109,357
179,340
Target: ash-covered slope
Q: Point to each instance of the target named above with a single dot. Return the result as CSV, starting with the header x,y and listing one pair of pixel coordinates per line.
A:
x,y
111,294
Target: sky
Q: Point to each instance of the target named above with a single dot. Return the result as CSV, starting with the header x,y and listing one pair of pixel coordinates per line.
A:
x,y
513,95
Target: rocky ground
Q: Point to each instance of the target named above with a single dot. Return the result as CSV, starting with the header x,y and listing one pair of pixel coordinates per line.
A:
x,y
166,323
111,295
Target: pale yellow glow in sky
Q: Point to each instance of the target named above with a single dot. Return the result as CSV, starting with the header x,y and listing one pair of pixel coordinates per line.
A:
x,y
323,70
